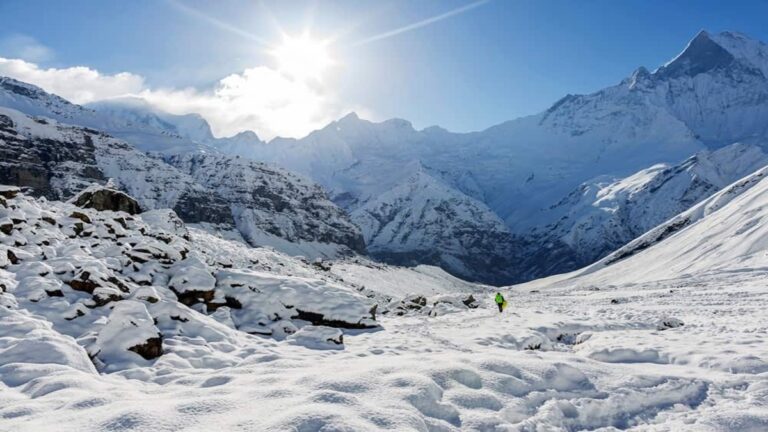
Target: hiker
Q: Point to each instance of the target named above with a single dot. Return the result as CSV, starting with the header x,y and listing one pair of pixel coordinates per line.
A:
x,y
500,302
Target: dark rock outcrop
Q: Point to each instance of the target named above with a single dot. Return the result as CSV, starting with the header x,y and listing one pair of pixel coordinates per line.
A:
x,y
151,349
103,199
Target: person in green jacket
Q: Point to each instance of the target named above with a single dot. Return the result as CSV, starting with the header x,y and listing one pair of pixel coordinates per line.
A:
x,y
500,302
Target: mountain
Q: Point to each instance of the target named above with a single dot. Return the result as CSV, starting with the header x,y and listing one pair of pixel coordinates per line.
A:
x,y
722,234
423,221
131,118
604,214
524,172
148,133
713,94
270,207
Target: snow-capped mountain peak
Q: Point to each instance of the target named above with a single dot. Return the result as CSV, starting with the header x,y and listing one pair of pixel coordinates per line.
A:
x,y
700,56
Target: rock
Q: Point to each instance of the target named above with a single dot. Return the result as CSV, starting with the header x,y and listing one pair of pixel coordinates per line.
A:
x,y
192,282
322,265
54,293
410,303
105,295
320,320
669,323
9,192
101,198
470,302
147,294
83,217
151,349
12,257
82,282
129,330
6,226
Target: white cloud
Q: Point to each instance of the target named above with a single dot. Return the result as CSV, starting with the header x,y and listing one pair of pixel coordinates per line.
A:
x,y
25,47
77,84
259,99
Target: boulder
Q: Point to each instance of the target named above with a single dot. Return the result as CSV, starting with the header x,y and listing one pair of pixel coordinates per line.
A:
x,y
102,198
151,349
9,192
669,323
129,330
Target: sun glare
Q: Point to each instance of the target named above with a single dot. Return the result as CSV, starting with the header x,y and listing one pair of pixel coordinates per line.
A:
x,y
302,57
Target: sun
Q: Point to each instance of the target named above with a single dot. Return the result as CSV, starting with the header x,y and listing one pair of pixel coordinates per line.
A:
x,y
302,57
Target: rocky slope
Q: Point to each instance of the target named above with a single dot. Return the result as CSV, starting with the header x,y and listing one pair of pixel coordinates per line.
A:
x,y
269,206
421,220
130,287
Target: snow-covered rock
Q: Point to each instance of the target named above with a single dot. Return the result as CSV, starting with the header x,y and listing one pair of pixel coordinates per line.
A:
x,y
318,337
267,205
128,336
104,198
129,290
271,206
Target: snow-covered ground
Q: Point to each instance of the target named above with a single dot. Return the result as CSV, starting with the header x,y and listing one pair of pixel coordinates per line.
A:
x,y
611,368
667,334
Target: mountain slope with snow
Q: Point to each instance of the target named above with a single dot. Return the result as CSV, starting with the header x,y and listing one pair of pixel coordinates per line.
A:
x,y
605,214
722,234
110,320
713,94
271,206
421,220
268,206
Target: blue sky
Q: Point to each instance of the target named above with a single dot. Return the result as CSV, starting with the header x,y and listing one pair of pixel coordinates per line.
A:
x,y
491,63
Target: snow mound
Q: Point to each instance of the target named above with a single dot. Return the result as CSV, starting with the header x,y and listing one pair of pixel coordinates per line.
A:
x,y
318,337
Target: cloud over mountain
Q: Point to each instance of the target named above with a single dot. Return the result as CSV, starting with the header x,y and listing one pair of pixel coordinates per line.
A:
x,y
261,99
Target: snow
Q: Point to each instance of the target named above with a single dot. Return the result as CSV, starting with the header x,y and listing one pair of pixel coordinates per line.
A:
x,y
710,96
606,213
677,350
318,337
110,321
268,206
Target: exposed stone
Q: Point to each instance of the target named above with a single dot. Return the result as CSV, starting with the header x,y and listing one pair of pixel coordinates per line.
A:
x,y
470,302
6,226
151,349
107,199
669,323
12,257
83,217
320,320
193,297
9,192
54,293
82,282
